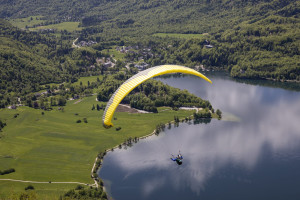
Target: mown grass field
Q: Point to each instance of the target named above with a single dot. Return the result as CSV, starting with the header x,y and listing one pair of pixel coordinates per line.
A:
x,y
69,26
36,20
53,147
27,21
178,35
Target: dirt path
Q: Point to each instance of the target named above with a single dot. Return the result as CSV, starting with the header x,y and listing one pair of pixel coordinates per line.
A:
x,y
78,101
74,45
96,183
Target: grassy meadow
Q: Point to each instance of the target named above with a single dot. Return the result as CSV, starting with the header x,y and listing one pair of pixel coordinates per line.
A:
x,y
69,26
85,80
53,147
36,20
30,22
27,21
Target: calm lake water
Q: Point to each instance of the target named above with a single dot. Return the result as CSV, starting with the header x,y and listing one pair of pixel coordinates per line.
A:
x,y
253,153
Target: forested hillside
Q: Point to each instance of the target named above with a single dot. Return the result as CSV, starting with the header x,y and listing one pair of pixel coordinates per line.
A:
x,y
251,39
23,60
267,48
149,16
29,60
257,39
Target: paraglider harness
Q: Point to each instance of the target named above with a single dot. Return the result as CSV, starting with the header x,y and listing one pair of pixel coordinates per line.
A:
x,y
178,159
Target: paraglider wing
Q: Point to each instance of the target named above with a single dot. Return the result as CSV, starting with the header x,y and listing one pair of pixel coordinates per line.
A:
x,y
136,80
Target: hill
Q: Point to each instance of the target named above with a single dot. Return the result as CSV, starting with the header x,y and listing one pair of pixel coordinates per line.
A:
x,y
29,60
184,16
23,60
252,39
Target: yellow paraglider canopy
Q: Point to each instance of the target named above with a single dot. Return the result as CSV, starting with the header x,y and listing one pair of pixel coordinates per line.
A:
x,y
136,80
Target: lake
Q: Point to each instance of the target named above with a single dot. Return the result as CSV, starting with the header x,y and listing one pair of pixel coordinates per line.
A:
x,y
252,153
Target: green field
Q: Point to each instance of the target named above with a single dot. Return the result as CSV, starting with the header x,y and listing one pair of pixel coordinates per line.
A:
x,y
27,21
53,147
12,190
178,35
36,20
69,26
85,80
117,55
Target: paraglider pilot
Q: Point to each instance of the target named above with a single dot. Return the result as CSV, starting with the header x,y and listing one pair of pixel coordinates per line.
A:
x,y
178,159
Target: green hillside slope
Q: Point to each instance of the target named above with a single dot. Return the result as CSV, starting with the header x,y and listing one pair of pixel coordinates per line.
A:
x,y
146,16
23,60
252,39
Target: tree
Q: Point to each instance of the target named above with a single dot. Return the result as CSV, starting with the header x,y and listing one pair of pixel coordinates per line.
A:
x,y
35,105
2,124
29,103
29,187
53,101
79,187
62,101
219,113
85,120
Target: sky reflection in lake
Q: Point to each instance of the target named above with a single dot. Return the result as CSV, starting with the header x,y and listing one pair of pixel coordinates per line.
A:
x,y
269,126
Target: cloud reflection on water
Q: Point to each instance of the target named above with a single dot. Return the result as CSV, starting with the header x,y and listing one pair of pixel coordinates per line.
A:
x,y
208,148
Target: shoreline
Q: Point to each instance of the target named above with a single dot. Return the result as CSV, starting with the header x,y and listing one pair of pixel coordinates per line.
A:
x,y
141,137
